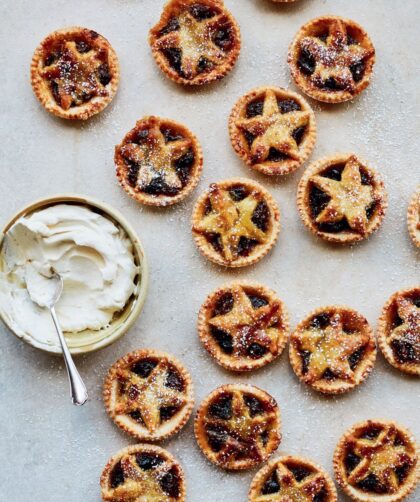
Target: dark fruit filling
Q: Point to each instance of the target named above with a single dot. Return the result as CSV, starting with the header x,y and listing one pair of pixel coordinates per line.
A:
x,y
323,37
158,186
184,165
104,74
333,172
328,375
170,483
223,38
321,321
255,350
255,406
223,305
351,461
217,436
215,241
257,301
222,408
351,40
141,136
355,358
402,472
204,65
333,228
249,138
416,302
133,172
261,216
298,133
144,367
223,339
405,351
116,477
288,105
174,57
299,472
201,12
170,134
365,177
371,433
133,392
331,84
173,25
136,416
174,380
357,71
272,485
147,461
167,412
83,46
371,484
306,62
305,356
254,108
370,210
318,200
238,193
275,155
49,60
245,245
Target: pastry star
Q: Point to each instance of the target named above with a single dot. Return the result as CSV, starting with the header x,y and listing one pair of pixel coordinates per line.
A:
x,y
247,325
155,158
194,38
231,220
138,482
75,75
243,431
380,457
349,198
292,490
409,331
330,349
334,57
273,129
148,395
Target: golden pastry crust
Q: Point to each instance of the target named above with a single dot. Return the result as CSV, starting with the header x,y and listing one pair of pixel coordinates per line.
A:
x,y
195,41
333,349
292,478
272,130
237,426
331,59
341,199
413,218
399,330
236,222
149,394
75,73
143,472
243,325
159,162
377,461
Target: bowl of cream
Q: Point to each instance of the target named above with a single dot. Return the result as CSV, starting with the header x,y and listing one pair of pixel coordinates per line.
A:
x,y
98,255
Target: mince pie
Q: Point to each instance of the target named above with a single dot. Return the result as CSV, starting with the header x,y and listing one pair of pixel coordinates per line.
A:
x,y
333,349
399,330
237,426
235,222
195,41
331,59
243,326
272,130
149,394
143,473
341,199
292,479
377,460
75,73
413,218
159,161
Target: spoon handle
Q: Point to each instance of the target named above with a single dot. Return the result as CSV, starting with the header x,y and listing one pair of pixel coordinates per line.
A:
x,y
78,390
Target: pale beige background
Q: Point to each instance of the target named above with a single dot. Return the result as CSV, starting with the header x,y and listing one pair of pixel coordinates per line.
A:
x,y
52,451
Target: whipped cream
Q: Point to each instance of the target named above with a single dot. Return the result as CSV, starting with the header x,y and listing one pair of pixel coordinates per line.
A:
x,y
93,256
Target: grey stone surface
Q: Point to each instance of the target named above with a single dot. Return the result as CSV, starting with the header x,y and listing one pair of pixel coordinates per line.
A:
x,y
52,451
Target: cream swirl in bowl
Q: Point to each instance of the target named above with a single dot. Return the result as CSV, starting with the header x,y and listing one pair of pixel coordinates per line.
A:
x,y
97,260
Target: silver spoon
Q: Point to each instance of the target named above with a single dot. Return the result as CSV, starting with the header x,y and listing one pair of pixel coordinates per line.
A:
x,y
78,390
